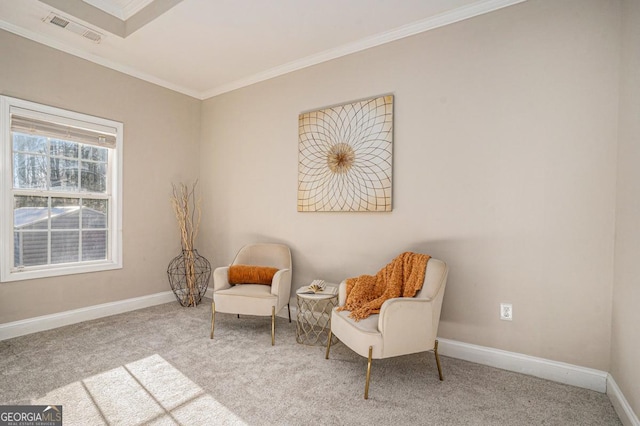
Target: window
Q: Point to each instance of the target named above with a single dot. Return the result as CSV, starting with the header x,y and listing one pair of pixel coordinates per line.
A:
x,y
60,190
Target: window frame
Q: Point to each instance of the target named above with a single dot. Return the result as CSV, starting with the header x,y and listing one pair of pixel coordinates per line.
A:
x,y
8,272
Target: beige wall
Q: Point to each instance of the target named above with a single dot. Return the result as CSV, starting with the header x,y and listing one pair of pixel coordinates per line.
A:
x,y
504,166
161,133
625,338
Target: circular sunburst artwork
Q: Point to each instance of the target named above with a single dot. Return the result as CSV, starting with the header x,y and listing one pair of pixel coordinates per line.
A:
x,y
345,157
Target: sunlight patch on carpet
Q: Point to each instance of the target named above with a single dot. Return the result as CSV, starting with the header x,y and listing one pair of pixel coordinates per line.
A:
x,y
147,391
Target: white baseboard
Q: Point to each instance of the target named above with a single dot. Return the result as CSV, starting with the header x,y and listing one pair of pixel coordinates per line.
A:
x,y
561,372
47,322
556,371
539,367
620,403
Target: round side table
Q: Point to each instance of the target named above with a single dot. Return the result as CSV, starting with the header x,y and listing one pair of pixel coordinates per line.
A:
x,y
313,320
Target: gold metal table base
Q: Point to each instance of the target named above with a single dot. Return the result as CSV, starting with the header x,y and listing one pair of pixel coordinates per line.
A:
x,y
313,320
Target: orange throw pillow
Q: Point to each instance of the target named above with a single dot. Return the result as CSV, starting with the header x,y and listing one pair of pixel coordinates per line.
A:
x,y
248,274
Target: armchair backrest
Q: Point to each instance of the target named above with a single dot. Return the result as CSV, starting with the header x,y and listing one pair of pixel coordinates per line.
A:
x,y
264,254
435,281
434,278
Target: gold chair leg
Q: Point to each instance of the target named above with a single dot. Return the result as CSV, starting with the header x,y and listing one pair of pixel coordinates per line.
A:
x,y
213,316
328,345
273,325
435,351
366,386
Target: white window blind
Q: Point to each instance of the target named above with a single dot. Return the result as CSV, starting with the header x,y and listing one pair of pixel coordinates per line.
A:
x,y
48,125
60,191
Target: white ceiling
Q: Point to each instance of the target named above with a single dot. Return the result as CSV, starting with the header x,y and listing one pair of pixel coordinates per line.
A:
x,y
122,9
206,47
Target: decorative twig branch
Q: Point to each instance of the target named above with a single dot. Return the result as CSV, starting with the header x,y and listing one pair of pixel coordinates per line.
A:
x,y
188,214
186,207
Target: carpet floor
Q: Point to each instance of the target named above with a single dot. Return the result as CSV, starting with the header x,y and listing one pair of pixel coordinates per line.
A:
x,y
157,366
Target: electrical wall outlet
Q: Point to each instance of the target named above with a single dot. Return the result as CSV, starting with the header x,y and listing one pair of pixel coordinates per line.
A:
x,y
506,311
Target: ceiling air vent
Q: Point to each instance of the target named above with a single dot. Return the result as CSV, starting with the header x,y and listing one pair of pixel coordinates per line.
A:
x,y
74,27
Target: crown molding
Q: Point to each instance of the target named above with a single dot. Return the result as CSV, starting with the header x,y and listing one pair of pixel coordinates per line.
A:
x,y
121,12
108,7
39,38
460,14
479,8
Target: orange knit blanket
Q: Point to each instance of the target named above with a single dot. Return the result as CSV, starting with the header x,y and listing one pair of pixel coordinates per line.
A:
x,y
402,277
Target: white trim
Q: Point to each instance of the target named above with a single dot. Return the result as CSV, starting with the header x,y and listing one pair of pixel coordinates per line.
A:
x,y
533,366
39,38
561,372
552,370
133,7
620,403
441,20
123,12
475,9
47,322
10,105
108,7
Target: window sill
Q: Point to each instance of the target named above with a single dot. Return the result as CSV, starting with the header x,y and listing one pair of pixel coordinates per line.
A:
x,y
30,274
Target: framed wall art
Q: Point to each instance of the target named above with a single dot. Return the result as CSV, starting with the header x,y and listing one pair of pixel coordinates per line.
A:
x,y
345,157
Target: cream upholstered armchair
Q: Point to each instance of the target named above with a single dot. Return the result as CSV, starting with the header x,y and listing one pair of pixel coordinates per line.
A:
x,y
403,326
247,298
